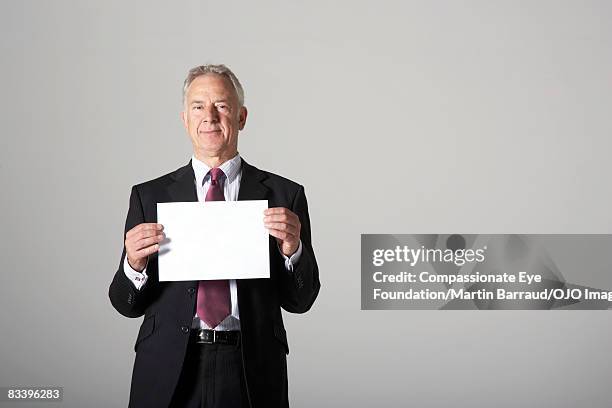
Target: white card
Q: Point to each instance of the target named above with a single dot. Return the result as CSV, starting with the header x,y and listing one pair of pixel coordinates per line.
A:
x,y
213,240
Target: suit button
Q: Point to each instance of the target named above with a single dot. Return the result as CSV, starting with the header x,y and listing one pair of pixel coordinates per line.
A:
x,y
185,329
191,291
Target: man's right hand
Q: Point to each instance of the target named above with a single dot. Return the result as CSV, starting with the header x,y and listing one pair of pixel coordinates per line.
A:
x,y
142,241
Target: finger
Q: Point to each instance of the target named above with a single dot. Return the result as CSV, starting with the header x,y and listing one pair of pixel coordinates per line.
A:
x,y
132,245
145,234
144,252
291,229
282,235
144,227
148,234
276,210
148,241
287,218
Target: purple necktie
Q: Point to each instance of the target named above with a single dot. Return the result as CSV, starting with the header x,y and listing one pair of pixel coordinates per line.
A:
x,y
213,304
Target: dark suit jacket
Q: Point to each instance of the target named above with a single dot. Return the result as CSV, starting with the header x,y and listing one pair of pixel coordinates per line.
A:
x,y
169,307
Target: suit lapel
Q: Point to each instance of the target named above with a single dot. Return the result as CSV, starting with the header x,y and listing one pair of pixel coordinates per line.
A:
x,y
251,186
183,189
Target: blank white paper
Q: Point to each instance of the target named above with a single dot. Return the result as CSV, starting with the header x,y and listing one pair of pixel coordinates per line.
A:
x,y
213,240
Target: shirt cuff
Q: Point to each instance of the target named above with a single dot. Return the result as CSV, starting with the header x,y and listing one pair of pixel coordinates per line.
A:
x,y
290,261
137,278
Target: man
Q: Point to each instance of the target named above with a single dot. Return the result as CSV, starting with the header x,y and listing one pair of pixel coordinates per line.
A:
x,y
214,343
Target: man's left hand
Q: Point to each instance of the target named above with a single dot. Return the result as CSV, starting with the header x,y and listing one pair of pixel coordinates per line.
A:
x,y
284,225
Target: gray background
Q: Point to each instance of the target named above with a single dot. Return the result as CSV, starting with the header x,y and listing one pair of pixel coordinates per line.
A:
x,y
403,117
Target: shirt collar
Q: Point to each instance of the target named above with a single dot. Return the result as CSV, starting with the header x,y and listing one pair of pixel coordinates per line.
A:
x,y
230,168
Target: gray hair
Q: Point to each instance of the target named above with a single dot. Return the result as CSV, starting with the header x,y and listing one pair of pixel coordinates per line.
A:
x,y
219,69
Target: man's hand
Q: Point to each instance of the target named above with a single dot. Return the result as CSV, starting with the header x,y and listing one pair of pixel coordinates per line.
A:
x,y
141,241
284,225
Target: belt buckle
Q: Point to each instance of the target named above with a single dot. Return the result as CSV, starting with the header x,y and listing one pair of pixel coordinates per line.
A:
x,y
204,341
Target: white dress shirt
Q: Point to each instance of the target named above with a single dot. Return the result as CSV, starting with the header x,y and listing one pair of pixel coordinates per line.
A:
x,y
231,186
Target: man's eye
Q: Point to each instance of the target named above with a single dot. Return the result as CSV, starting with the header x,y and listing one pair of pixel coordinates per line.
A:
x,y
197,107
222,107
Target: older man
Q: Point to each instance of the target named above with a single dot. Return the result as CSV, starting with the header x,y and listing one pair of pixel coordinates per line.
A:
x,y
214,343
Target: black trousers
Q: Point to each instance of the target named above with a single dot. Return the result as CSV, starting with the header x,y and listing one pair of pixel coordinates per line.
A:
x,y
212,377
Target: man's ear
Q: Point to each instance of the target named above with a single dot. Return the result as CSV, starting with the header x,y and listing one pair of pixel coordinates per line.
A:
x,y
242,117
184,119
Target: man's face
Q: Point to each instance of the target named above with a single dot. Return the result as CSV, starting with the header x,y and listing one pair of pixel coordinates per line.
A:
x,y
213,117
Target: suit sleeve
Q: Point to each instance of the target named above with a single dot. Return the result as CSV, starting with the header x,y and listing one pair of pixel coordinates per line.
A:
x,y
123,295
300,287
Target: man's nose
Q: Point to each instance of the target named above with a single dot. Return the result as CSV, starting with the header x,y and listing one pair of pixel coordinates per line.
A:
x,y
210,114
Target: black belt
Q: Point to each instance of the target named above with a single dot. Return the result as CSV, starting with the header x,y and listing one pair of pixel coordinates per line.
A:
x,y
205,336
